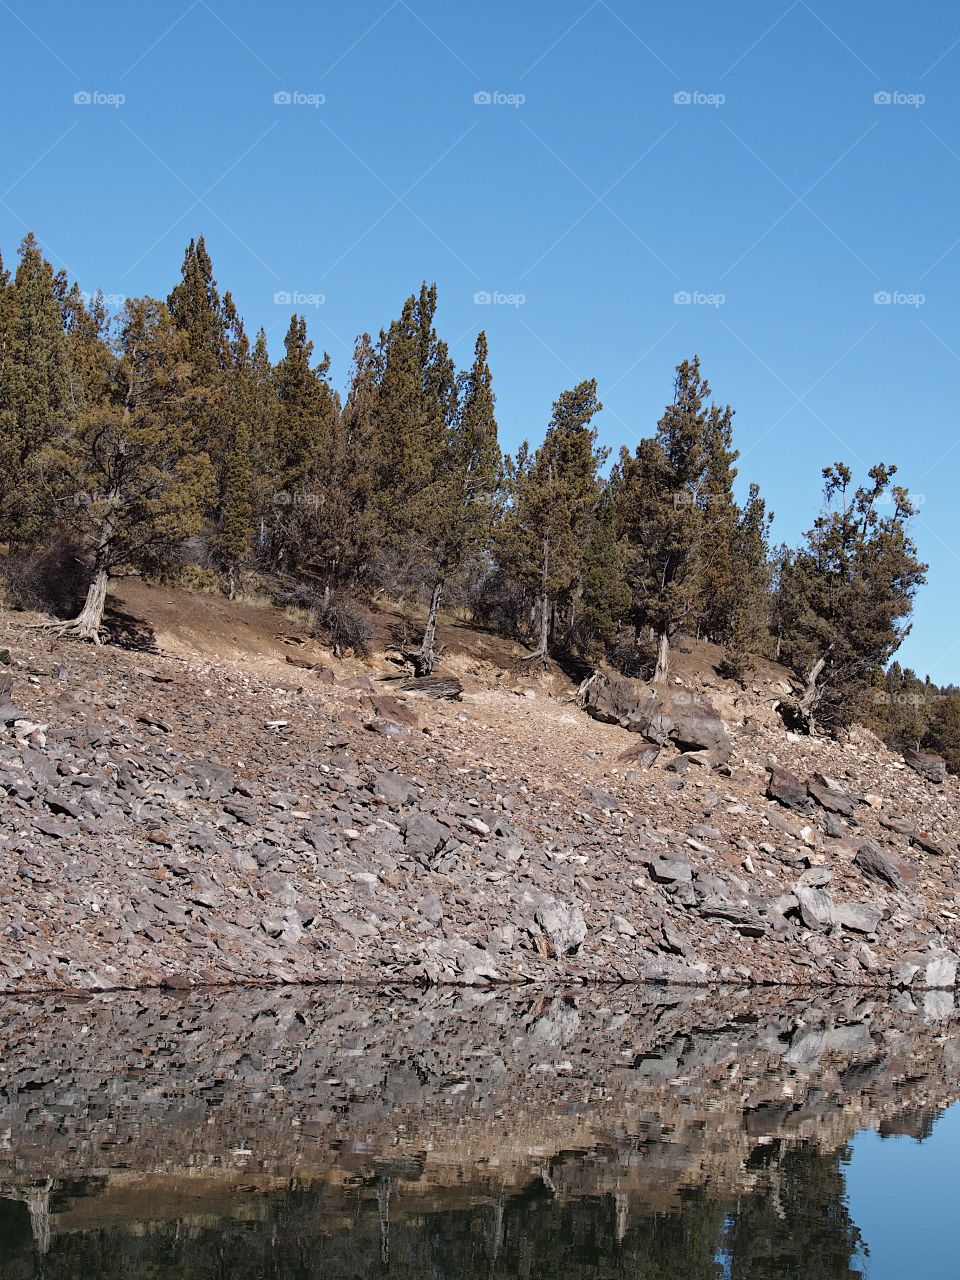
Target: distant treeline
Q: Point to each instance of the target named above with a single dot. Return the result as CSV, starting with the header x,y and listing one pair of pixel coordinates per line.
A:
x,y
167,437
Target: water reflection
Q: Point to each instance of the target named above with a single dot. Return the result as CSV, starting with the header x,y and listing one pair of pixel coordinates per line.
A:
x,y
348,1134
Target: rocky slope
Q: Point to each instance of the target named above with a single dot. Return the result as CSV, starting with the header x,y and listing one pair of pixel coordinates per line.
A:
x,y
169,818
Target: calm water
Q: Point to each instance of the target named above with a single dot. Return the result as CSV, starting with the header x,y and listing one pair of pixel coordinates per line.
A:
x,y
347,1134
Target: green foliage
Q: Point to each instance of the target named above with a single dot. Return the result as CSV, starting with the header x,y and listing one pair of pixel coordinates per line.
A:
x,y
676,514
552,497
174,426
943,730
129,478
846,596
606,595
35,386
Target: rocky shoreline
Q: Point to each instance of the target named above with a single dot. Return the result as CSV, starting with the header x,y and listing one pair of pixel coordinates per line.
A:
x,y
172,820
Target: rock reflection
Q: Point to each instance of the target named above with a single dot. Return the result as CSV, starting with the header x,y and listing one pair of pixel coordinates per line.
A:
x,y
353,1133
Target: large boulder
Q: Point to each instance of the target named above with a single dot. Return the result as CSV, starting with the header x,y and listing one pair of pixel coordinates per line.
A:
x,y
881,864
787,789
927,764
659,715
560,922
830,795
859,917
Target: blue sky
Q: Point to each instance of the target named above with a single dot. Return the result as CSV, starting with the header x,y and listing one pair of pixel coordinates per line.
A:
x,y
582,198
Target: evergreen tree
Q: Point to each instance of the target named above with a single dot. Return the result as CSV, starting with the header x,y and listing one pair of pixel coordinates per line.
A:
x,y
416,405
717,579
130,478
943,731
205,319
231,539
307,410
463,496
746,631
553,493
606,595
36,388
662,498
356,469
848,593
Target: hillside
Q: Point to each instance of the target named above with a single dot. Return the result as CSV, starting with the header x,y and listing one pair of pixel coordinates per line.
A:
x,y
232,805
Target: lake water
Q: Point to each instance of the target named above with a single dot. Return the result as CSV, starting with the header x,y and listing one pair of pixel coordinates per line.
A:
x,y
347,1133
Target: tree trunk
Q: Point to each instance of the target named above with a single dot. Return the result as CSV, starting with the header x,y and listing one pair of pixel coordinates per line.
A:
x,y
663,657
811,694
426,658
88,623
543,645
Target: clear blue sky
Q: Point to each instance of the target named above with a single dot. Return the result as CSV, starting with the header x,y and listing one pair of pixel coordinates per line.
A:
x,y
597,198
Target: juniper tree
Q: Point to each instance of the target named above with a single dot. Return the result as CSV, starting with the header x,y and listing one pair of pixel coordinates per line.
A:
x,y
235,504
661,512
553,493
129,477
606,595
35,387
205,319
356,468
307,409
461,500
943,732
848,593
416,404
717,572
747,627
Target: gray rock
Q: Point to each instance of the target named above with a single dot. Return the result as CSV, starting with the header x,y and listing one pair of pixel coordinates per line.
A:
x,y
816,907
927,764
880,864
859,917
561,922
395,789
423,836
829,795
787,789
671,870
